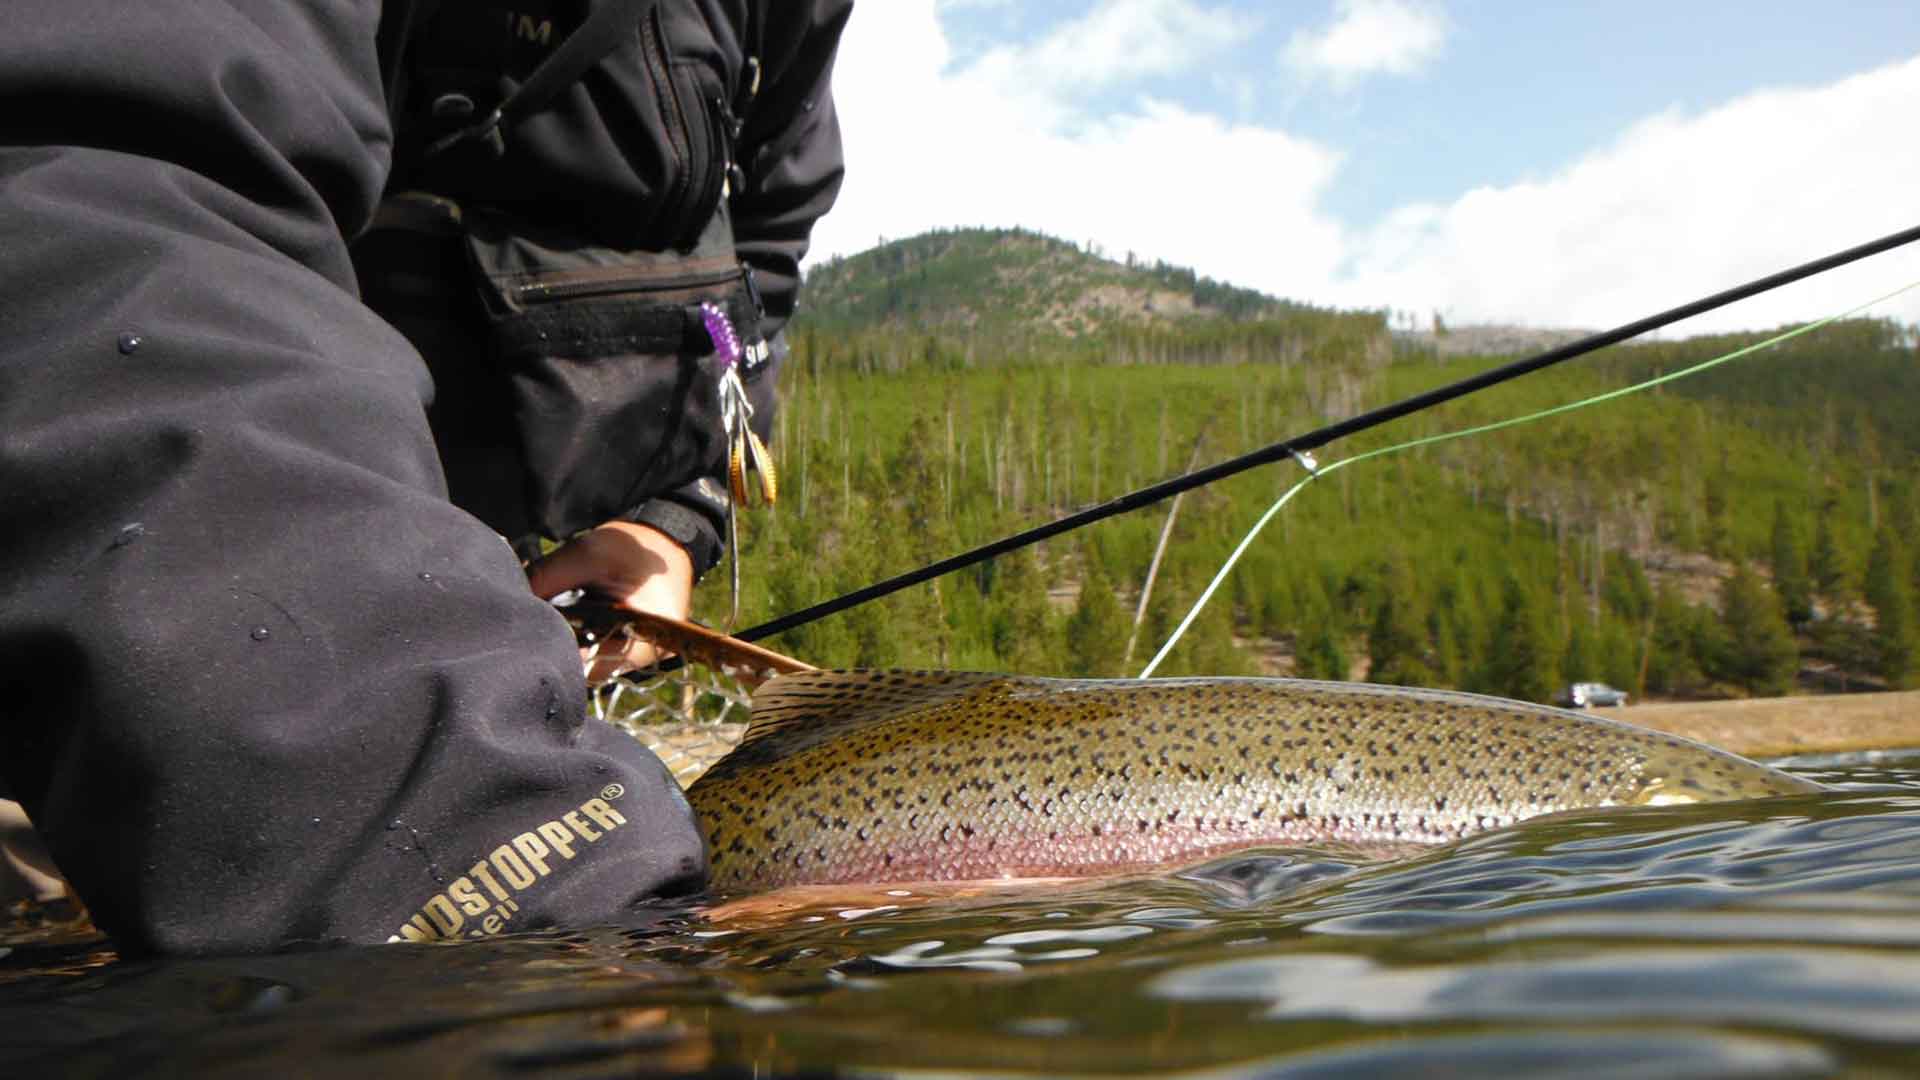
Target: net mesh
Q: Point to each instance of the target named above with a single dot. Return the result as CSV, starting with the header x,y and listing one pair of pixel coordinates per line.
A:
x,y
689,717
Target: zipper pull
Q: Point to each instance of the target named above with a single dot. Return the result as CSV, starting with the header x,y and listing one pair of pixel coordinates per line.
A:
x,y
733,178
753,289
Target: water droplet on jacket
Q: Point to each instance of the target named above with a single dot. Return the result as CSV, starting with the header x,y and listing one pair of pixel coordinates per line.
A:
x,y
425,576
129,342
261,633
128,534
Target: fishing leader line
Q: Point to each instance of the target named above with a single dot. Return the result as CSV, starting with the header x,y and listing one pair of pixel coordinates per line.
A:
x,y
1316,472
1294,447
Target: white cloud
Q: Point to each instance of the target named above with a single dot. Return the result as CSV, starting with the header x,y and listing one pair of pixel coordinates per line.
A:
x,y
1679,206
1117,41
1368,37
927,148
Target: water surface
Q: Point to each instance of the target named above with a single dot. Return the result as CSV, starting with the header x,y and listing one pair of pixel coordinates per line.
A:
x,y
1775,938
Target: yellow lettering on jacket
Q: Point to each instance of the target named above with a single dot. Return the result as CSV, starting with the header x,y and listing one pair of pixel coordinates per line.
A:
x,y
468,897
603,815
505,872
557,838
531,28
535,852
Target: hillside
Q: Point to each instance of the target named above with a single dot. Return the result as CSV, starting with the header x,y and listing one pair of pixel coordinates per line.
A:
x,y
1732,535
1487,340
968,298
980,279
1850,389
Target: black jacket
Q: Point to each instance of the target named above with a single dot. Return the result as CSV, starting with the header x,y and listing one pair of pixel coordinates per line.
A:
x,y
636,153
708,100
260,681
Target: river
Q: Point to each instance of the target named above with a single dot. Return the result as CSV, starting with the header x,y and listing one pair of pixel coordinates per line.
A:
x,y
1775,938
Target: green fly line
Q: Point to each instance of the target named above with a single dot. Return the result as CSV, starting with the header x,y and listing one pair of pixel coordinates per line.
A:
x,y
1314,473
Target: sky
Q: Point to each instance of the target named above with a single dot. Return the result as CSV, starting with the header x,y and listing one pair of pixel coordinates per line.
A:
x,y
1553,165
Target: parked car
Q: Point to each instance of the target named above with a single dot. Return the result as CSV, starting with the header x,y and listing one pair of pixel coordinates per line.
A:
x,y
1582,695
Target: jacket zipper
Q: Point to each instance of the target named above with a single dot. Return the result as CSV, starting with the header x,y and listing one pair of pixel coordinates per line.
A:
x,y
540,292
673,110
719,161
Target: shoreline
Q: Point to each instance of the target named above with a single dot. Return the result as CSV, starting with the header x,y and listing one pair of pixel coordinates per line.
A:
x,y
1776,727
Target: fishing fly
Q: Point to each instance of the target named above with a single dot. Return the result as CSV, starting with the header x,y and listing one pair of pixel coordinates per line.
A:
x,y
744,448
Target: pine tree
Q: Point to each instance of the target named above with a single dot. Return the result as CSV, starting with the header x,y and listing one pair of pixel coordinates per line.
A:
x,y
1097,630
1913,577
1847,644
1397,643
1827,566
1913,572
1022,637
1717,539
1627,591
1620,657
1673,664
1520,655
1318,654
1581,663
1757,650
1449,650
1790,570
1886,591
1209,647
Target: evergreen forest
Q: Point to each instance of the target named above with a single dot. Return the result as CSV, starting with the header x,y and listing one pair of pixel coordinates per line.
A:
x,y
1750,531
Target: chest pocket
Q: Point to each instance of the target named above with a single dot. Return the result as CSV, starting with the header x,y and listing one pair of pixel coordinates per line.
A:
x,y
629,140
609,367
593,324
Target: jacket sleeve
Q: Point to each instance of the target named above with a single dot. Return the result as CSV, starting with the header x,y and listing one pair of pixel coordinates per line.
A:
x,y
789,148
259,680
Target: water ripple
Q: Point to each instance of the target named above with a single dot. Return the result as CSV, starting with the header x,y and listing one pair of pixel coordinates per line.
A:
x,y
1760,939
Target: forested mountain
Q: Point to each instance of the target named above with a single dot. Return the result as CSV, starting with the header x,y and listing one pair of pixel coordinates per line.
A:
x,y
976,298
1743,532
1012,279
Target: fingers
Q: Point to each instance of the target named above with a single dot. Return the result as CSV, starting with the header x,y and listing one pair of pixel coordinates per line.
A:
x,y
581,563
622,563
610,658
625,564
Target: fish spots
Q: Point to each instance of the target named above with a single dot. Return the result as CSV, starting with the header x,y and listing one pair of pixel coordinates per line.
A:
x,y
1062,775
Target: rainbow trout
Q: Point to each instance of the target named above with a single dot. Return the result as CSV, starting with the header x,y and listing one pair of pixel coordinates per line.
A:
x,y
878,776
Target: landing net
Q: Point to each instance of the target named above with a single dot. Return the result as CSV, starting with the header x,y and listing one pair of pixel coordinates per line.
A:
x,y
689,717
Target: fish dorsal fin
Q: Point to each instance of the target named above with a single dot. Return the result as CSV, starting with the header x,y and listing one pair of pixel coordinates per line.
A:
x,y
793,712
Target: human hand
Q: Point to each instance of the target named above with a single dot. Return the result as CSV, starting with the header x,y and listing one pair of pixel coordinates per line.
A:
x,y
626,565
